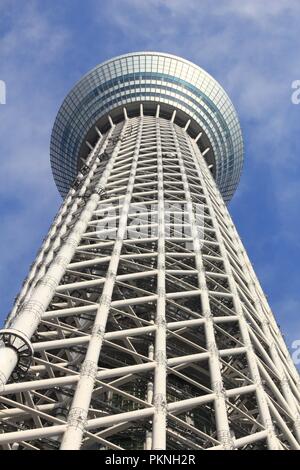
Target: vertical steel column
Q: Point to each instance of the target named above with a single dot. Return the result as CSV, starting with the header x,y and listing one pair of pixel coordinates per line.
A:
x,y
253,288
252,359
148,443
79,410
30,312
160,374
247,267
222,425
268,320
56,231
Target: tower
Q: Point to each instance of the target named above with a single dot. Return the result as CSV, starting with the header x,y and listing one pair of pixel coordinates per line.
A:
x,y
141,324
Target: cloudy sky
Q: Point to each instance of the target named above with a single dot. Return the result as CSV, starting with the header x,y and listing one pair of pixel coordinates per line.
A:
x,y
249,46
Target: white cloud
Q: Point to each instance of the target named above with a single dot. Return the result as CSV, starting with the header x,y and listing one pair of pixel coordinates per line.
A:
x,y
249,46
258,10
31,42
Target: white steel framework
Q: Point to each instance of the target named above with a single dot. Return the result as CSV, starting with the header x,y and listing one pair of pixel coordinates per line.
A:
x,y
142,324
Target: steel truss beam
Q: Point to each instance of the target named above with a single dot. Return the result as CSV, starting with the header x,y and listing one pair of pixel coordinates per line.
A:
x,y
141,323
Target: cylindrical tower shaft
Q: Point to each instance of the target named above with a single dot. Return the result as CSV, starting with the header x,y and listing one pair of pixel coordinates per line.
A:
x,y
143,323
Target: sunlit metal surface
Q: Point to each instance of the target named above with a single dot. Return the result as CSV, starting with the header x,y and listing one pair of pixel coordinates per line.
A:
x,y
141,324
155,78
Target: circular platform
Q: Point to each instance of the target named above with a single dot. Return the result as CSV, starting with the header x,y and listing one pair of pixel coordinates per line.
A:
x,y
150,78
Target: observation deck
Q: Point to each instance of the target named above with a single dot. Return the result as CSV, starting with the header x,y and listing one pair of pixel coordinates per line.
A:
x,y
116,89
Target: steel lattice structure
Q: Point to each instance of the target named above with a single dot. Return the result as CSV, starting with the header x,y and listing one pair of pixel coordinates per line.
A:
x,y
141,324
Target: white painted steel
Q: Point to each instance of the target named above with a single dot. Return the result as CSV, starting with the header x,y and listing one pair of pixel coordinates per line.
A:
x,y
152,332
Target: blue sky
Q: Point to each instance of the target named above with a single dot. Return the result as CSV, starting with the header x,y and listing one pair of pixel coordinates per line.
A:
x,y
249,46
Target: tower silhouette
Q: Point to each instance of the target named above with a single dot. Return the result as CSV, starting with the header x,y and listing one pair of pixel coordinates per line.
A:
x,y
141,324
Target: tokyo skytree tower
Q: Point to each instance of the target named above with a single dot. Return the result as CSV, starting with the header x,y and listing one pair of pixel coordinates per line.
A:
x,y
141,324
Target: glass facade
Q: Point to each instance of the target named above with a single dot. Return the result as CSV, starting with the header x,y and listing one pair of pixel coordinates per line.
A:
x,y
144,77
